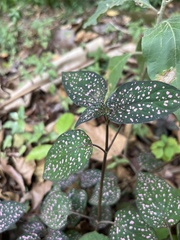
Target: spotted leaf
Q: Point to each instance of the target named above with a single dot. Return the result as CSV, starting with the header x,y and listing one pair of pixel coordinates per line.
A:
x,y
106,215
55,210
90,177
84,88
56,235
10,213
79,201
157,201
94,235
111,192
129,225
91,112
69,154
142,101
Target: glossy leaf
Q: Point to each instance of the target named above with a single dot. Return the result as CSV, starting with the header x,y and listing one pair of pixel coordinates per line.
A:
x,y
69,154
79,202
129,225
142,101
157,201
90,177
102,8
94,236
111,192
10,213
84,88
55,210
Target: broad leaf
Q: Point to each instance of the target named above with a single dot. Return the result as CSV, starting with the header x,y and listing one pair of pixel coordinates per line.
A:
x,y
79,202
38,152
157,201
102,8
90,177
129,225
73,234
55,210
114,71
29,236
10,213
111,192
69,154
84,88
160,46
142,101
147,161
144,3
94,236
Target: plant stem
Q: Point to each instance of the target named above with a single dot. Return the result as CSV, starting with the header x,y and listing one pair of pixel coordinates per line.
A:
x,y
170,234
99,147
114,137
162,9
103,170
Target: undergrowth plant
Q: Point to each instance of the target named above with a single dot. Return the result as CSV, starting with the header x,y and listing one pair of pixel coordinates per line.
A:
x,y
91,194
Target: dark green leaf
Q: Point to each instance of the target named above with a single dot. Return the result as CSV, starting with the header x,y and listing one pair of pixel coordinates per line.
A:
x,y
69,154
10,213
90,177
84,88
142,101
56,235
55,210
148,162
91,112
157,201
111,192
129,225
73,234
29,236
79,201
106,215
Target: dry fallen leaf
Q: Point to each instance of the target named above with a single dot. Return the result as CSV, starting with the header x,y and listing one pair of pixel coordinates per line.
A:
x,y
9,196
39,171
97,136
83,36
26,169
38,191
9,170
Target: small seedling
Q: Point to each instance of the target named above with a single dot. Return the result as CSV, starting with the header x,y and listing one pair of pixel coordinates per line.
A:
x,y
134,102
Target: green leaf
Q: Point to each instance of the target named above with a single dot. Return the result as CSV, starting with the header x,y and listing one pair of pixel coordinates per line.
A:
x,y
73,234
147,161
79,201
142,101
111,192
130,225
160,46
29,236
94,236
106,215
69,154
39,152
102,8
64,123
157,201
55,210
56,235
90,177
86,89
91,112
144,4
114,71
10,213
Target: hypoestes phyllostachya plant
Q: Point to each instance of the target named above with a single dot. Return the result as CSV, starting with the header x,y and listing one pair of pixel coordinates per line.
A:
x,y
132,102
